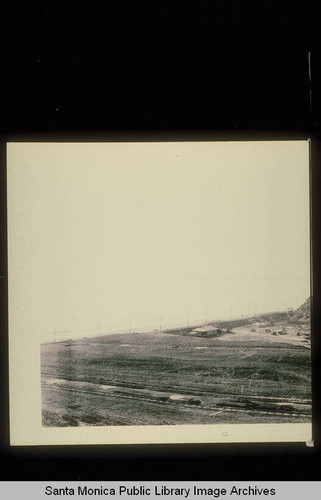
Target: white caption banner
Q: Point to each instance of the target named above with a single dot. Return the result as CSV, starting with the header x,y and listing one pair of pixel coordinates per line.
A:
x,y
170,490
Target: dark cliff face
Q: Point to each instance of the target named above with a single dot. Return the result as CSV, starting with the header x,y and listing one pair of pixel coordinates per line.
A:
x,y
304,311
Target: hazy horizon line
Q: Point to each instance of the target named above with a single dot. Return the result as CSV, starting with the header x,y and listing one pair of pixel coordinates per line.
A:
x,y
152,329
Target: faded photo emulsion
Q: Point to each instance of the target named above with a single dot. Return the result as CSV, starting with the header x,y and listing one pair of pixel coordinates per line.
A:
x,y
159,292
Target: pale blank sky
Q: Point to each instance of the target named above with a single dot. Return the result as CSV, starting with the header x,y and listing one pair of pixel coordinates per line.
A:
x,y
124,233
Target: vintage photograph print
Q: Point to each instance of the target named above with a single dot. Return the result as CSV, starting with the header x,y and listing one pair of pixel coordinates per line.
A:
x,y
161,288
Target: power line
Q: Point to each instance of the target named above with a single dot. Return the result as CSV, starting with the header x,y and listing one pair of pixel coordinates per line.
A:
x,y
59,331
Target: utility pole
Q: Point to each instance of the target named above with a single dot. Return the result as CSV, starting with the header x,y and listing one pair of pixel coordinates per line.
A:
x,y
160,323
98,326
60,331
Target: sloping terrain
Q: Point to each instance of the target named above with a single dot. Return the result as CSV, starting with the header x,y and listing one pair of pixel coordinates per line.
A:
x,y
160,378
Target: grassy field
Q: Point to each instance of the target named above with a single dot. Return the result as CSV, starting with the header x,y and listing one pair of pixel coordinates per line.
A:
x,y
160,378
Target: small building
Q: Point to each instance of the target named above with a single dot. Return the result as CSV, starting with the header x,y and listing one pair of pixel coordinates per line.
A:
x,y
206,331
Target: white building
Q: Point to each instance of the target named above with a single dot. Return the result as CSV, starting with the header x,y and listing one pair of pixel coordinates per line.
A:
x,y
205,331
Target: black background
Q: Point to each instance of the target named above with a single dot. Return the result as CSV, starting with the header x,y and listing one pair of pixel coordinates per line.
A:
x,y
92,71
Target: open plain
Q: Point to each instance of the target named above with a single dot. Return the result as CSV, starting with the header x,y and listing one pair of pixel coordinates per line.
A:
x,y
247,374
